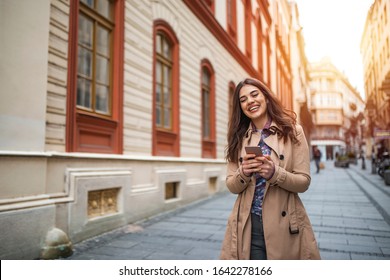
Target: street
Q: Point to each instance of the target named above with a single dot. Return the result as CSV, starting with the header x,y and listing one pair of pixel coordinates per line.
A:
x,y
349,209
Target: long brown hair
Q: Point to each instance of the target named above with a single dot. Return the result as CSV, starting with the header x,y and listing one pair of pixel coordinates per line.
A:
x,y
239,122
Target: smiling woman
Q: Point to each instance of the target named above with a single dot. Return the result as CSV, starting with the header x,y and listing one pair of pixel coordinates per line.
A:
x,y
264,223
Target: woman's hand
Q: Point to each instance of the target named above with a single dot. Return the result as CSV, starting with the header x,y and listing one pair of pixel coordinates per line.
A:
x,y
261,164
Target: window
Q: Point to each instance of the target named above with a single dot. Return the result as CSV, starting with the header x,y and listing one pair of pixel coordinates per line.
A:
x,y
102,202
163,84
171,190
213,185
260,47
94,63
231,19
166,140
248,25
94,118
268,44
208,110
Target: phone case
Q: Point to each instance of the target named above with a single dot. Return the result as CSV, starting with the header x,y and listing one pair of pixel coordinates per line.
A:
x,y
254,150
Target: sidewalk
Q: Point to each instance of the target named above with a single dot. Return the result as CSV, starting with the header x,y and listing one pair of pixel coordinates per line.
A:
x,y
349,210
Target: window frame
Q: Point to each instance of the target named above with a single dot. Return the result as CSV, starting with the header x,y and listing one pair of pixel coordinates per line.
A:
x,y
98,20
248,28
208,143
167,142
87,131
231,5
260,40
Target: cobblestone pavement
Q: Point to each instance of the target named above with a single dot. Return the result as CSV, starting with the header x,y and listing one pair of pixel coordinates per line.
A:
x,y
348,207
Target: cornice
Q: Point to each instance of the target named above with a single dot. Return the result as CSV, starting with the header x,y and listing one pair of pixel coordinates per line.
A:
x,y
210,22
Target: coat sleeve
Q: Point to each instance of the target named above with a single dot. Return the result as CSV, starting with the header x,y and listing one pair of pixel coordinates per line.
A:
x,y
298,178
236,181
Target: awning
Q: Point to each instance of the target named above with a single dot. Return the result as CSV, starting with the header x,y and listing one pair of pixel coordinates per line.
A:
x,y
328,143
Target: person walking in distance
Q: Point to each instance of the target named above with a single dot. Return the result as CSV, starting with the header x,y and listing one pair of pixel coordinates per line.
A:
x,y
317,158
268,219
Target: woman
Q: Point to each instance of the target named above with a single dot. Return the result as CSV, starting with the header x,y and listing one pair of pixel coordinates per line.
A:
x,y
268,220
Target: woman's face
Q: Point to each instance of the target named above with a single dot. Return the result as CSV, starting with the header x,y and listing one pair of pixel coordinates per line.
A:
x,y
253,102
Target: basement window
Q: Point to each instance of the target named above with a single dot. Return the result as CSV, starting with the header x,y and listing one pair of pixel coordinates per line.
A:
x,y
171,190
212,185
102,202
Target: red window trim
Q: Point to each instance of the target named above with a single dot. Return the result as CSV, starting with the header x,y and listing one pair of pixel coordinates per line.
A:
x,y
232,26
167,143
211,5
209,145
260,46
248,28
86,132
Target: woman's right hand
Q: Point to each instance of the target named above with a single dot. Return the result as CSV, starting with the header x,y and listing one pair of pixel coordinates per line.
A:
x,y
250,164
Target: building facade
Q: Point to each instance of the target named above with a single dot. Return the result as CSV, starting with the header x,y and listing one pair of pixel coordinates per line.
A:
x,y
300,73
115,111
375,50
336,108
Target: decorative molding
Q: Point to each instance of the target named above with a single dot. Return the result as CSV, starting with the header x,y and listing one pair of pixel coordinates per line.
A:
x,y
68,195
53,154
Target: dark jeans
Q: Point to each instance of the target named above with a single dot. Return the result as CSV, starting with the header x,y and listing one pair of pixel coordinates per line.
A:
x,y
258,250
317,165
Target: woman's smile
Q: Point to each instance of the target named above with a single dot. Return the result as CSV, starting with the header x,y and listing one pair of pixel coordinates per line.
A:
x,y
253,108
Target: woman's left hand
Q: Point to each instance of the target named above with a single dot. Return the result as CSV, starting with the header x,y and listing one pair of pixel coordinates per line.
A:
x,y
267,168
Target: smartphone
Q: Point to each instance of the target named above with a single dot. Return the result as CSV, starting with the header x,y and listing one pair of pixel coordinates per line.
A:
x,y
254,150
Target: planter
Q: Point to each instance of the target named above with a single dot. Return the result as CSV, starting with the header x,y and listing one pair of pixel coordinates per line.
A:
x,y
342,163
386,177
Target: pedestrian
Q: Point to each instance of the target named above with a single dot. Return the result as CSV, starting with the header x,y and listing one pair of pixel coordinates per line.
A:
x,y
363,158
317,158
268,219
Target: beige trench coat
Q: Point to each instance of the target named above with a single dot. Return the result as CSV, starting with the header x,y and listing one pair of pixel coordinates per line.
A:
x,y
288,232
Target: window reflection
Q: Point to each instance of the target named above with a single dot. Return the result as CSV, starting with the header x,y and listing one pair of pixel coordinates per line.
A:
x,y
94,56
163,87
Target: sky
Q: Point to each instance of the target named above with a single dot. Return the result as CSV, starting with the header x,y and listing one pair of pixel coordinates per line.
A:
x,y
334,28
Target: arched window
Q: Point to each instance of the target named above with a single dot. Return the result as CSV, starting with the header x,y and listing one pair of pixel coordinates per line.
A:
x,y
95,77
208,110
166,141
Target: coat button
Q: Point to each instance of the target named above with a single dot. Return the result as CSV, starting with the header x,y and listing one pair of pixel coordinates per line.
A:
x,y
281,157
284,213
242,181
